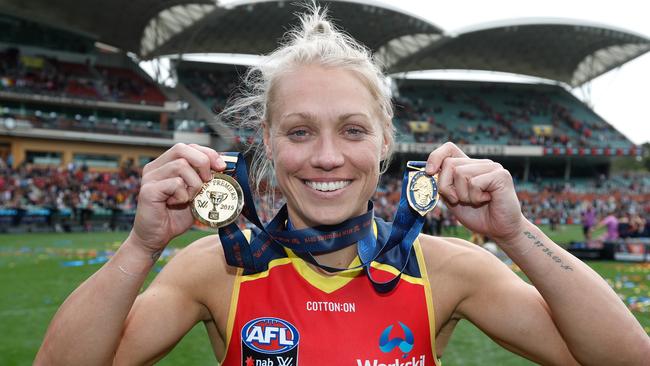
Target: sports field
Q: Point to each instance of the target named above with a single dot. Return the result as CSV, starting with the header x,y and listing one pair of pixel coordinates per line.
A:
x,y
38,271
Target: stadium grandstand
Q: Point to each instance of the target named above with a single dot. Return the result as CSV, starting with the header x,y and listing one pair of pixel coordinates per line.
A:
x,y
73,98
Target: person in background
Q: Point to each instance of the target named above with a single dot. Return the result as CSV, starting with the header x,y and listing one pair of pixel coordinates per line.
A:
x,y
610,222
588,218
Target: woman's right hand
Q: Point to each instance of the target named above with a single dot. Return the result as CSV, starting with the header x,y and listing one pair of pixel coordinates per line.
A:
x,y
168,185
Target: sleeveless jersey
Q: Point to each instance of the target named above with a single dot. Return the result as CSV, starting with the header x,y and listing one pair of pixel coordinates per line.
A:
x,y
292,315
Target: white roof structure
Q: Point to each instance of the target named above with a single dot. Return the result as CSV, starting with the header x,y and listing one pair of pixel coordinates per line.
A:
x,y
567,51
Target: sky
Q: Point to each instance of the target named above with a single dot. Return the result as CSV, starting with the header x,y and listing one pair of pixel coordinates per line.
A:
x,y
621,96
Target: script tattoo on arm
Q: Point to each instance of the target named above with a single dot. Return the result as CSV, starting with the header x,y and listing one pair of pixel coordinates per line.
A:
x,y
538,244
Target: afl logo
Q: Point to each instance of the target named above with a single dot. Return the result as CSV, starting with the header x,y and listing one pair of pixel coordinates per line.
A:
x,y
270,335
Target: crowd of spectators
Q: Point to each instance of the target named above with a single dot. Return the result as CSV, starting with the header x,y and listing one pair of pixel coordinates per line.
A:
x,y
213,87
46,75
70,192
79,193
505,116
626,197
88,123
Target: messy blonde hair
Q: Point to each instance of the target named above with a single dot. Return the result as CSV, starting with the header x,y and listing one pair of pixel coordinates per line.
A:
x,y
315,42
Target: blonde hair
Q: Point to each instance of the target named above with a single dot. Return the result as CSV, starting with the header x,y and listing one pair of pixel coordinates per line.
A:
x,y
315,42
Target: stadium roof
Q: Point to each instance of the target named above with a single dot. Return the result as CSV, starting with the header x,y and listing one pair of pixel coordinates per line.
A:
x,y
569,51
256,27
118,23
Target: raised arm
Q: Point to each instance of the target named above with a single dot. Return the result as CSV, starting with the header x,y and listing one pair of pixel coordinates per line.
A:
x,y
589,317
88,327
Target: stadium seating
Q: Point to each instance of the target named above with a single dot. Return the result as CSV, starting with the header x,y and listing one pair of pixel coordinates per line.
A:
x,y
49,76
213,87
502,114
124,85
83,121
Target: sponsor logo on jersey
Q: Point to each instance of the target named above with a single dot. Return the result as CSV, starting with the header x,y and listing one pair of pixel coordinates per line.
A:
x,y
331,307
389,342
395,362
269,342
405,344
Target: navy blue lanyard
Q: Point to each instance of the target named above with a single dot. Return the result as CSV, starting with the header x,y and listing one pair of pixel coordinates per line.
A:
x,y
278,234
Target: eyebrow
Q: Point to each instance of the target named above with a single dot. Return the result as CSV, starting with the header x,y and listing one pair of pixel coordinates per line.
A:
x,y
311,117
348,115
304,115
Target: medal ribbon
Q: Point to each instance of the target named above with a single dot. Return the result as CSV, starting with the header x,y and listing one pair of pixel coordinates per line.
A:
x,y
255,255
279,233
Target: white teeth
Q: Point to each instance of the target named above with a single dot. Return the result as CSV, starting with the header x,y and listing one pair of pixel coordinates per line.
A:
x,y
328,186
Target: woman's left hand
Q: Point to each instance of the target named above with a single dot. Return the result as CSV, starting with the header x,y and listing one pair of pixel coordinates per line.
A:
x,y
479,192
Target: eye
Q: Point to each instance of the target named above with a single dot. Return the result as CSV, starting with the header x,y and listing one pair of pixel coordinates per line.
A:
x,y
298,134
354,131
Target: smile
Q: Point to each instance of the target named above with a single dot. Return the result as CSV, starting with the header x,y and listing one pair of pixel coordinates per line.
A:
x,y
328,186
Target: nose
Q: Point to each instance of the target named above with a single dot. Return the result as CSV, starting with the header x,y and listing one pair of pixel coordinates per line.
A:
x,y
327,153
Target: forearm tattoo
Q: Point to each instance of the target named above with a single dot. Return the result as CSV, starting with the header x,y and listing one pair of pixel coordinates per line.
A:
x,y
538,244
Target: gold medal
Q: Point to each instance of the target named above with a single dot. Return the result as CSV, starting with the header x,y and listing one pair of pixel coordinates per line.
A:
x,y
422,192
219,202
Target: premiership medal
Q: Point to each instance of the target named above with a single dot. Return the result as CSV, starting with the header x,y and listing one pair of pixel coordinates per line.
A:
x,y
219,202
422,193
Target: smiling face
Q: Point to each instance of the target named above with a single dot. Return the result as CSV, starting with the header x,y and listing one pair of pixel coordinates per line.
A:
x,y
326,141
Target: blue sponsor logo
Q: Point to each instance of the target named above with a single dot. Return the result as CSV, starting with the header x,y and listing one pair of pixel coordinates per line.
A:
x,y
387,344
270,335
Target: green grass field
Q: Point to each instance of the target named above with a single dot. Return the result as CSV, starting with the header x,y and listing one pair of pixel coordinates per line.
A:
x,y
33,283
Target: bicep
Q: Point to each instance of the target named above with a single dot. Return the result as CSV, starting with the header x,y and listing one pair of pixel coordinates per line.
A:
x,y
159,318
169,308
516,316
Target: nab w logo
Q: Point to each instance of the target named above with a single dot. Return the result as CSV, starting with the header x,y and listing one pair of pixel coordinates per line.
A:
x,y
203,203
285,361
405,344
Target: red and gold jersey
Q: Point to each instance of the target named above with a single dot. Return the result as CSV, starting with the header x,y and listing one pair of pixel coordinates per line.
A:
x,y
292,314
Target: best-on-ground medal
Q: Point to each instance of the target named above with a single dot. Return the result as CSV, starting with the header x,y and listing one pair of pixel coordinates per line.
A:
x,y
219,202
422,190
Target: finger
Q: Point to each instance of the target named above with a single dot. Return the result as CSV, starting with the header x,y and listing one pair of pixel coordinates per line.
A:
x,y
446,183
172,191
437,156
177,168
197,159
216,161
465,173
469,192
485,185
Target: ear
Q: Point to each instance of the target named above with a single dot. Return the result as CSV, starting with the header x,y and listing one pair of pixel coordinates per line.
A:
x,y
385,145
266,133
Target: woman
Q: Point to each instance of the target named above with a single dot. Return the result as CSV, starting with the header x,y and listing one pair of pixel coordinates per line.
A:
x,y
610,222
325,118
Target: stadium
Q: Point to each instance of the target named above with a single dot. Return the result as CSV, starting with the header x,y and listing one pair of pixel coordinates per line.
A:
x,y
80,118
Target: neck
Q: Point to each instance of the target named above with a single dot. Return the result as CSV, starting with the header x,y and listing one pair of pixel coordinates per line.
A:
x,y
338,259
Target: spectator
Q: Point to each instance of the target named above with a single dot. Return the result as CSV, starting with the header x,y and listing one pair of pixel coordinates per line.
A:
x,y
610,222
588,218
